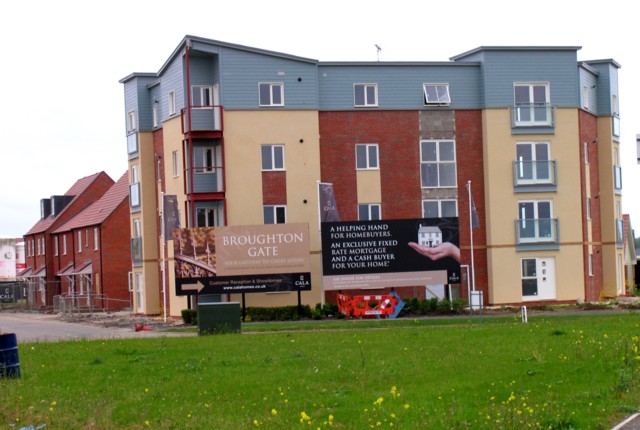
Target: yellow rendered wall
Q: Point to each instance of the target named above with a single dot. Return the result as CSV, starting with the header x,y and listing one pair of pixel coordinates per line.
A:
x,y
369,187
244,134
612,282
501,203
148,216
174,185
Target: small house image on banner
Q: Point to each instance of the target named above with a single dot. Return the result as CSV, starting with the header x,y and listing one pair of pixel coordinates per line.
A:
x,y
430,236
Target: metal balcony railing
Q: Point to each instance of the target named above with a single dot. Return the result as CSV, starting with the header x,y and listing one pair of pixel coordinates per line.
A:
x,y
536,230
532,115
541,172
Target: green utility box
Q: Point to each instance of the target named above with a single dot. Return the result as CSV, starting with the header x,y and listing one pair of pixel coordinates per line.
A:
x,y
218,318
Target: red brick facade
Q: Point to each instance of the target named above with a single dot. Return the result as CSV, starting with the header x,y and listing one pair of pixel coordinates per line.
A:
x,y
589,137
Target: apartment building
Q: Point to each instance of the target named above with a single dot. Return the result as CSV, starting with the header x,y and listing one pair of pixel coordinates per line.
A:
x,y
43,282
242,136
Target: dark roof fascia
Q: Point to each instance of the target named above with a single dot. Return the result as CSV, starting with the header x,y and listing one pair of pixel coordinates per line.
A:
x,y
515,49
137,75
605,61
400,63
585,65
189,39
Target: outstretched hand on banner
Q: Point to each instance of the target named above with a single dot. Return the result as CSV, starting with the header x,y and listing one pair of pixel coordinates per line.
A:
x,y
446,249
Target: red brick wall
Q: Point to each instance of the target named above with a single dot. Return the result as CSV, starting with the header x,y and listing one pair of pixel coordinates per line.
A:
x,y
589,134
397,136
274,188
469,160
115,255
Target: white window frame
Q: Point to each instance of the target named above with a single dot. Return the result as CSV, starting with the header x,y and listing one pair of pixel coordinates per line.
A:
x,y
136,228
171,102
55,246
273,212
79,240
536,220
363,158
366,95
531,106
273,87
207,159
370,208
586,93
532,146
585,145
203,94
131,121
175,160
64,244
590,264
441,97
269,154
439,203
154,113
86,237
96,245
588,208
439,163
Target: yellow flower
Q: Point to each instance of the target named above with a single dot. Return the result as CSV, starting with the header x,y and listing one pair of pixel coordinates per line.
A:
x,y
147,423
274,412
379,401
406,406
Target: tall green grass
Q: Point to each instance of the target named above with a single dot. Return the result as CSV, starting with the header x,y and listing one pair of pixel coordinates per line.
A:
x,y
551,373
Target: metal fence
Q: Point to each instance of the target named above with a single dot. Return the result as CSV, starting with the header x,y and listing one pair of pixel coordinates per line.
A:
x,y
76,303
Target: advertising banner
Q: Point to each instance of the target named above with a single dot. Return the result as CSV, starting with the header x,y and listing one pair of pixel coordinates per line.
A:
x,y
242,259
392,253
7,259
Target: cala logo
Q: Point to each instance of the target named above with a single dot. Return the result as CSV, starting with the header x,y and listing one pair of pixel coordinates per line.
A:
x,y
454,279
301,282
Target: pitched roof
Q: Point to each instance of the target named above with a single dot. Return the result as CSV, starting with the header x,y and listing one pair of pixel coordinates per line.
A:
x,y
97,212
76,190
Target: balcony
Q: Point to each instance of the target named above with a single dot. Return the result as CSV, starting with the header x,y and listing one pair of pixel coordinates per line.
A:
x,y
136,251
535,175
209,179
537,231
202,119
532,115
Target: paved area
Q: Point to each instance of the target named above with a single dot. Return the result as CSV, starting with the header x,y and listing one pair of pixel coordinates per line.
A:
x,y
36,327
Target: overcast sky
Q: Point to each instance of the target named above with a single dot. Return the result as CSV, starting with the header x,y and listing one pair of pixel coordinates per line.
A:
x,y
62,111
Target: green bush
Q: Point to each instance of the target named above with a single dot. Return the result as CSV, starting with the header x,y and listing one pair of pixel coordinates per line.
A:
x,y
280,313
190,316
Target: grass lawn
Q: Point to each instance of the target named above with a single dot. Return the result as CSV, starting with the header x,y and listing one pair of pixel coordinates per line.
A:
x,y
560,372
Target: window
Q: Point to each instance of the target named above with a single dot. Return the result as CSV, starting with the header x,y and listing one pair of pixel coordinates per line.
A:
x,y
616,115
64,244
439,208
586,93
590,264
131,121
154,113
535,223
201,96
95,239
176,164
533,165
271,94
532,104
275,214
134,187
438,163
367,156
365,95
86,237
369,212
38,246
529,277
272,157
206,217
436,94
79,241
55,245
171,101
585,147
203,159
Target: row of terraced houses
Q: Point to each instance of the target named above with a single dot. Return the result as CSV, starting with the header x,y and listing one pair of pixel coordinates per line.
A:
x,y
243,136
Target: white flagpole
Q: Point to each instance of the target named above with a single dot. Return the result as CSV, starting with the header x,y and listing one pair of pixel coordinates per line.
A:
x,y
473,271
164,262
